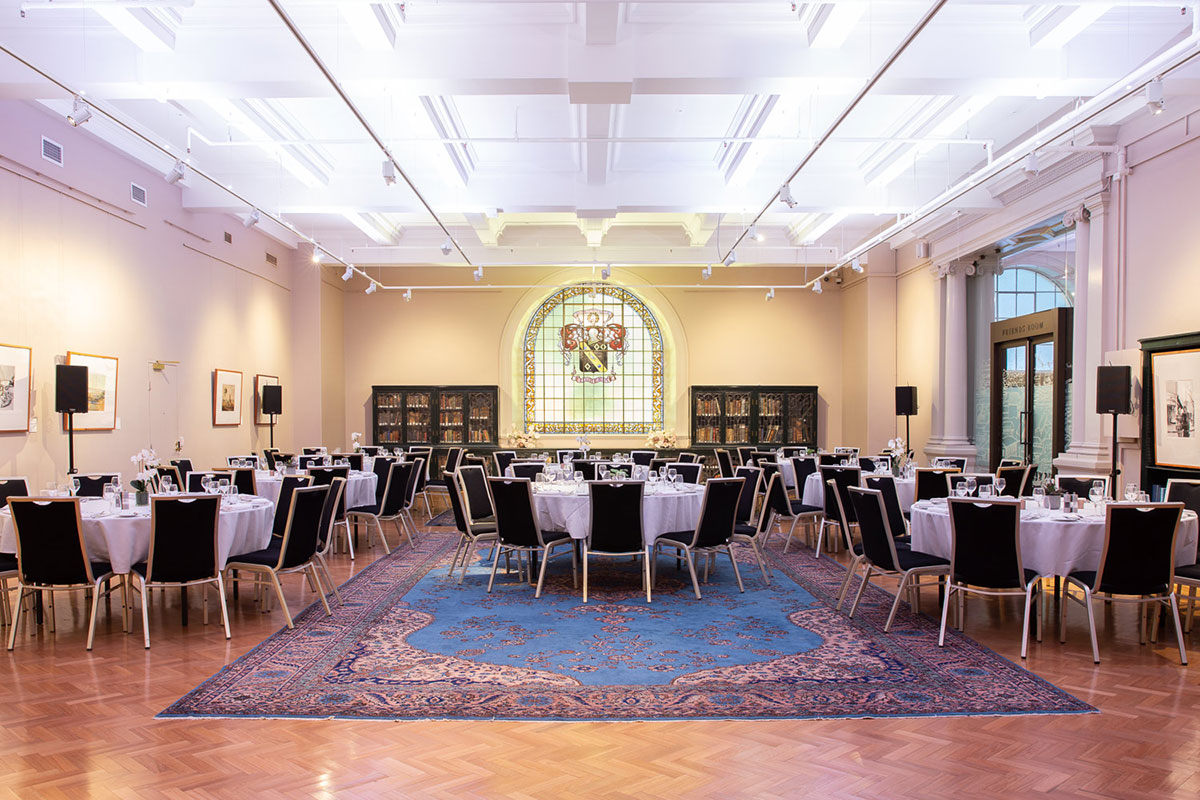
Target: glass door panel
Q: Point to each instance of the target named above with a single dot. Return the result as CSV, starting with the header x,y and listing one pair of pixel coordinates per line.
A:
x,y
770,418
450,417
1014,401
737,417
1042,407
482,418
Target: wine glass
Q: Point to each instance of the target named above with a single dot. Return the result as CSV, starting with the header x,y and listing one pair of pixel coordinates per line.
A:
x,y
1039,495
577,476
1131,492
164,484
223,486
652,476
972,484
74,487
672,474
1096,493
961,489
999,483
986,490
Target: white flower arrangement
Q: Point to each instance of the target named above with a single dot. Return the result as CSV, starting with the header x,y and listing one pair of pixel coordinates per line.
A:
x,y
356,440
522,440
144,461
661,440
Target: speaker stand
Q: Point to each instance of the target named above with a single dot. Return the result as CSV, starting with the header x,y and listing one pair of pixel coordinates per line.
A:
x,y
71,443
907,434
272,431
1112,476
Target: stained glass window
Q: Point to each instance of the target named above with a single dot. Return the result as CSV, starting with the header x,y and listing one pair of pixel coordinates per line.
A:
x,y
593,356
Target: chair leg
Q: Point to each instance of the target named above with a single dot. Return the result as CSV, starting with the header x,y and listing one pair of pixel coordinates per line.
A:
x,y
1063,601
279,593
762,562
1178,629
145,614
542,572
1025,623
495,563
820,541
462,539
646,572
312,571
692,569
851,571
887,626
95,608
1191,608
16,622
428,511
736,574
585,571
329,578
378,527
861,588
224,605
349,539
945,612
1087,599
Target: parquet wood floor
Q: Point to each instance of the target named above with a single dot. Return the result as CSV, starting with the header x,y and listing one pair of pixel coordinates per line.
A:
x,y
78,724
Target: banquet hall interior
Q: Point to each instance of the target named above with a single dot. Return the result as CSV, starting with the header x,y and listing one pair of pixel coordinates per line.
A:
x,y
689,398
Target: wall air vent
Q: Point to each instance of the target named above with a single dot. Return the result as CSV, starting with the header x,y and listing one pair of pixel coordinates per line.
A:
x,y
137,194
272,260
228,237
52,151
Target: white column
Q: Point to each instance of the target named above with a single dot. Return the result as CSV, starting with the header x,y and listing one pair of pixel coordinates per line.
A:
x,y
954,440
1088,453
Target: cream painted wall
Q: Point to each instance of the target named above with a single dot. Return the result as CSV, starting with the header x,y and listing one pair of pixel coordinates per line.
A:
x,y
87,270
333,371
917,345
730,337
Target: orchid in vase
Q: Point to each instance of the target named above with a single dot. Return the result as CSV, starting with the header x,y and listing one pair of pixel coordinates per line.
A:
x,y
144,462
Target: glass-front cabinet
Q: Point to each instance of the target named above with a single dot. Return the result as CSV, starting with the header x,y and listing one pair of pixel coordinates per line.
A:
x,y
434,415
767,415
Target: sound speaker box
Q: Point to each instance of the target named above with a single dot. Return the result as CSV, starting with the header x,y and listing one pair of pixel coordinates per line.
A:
x,y
70,389
906,400
272,399
1113,388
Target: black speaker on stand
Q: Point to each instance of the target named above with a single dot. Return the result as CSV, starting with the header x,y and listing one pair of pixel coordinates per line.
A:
x,y
70,398
906,406
1113,388
272,403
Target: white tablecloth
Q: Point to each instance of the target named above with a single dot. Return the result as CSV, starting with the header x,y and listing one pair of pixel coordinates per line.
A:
x,y
814,492
1049,544
360,489
663,510
125,540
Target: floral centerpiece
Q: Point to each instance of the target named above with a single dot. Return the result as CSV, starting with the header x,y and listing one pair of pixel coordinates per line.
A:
x,y
356,441
585,443
898,449
144,461
522,440
661,440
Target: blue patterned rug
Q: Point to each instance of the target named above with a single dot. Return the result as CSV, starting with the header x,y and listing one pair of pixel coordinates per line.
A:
x,y
409,644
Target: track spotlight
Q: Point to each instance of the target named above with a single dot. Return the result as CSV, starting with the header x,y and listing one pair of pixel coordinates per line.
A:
x,y
706,273
447,246
754,234
1154,96
80,113
389,172
407,295
785,196
730,259
372,287
770,294
253,219
606,273
856,265
1031,164
316,256
478,273
349,273
816,287
177,173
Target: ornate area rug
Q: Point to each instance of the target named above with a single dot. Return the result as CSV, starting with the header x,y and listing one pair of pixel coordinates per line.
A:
x,y
410,644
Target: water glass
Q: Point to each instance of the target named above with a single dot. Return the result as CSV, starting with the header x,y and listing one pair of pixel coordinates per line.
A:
x,y
652,476
1131,492
577,476
223,485
165,485
961,489
1039,496
985,490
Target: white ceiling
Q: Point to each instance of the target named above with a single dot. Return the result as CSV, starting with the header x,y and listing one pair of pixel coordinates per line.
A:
x,y
545,132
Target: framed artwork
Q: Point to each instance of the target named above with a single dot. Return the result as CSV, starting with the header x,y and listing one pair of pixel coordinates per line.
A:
x,y
259,382
227,397
15,364
1176,382
101,392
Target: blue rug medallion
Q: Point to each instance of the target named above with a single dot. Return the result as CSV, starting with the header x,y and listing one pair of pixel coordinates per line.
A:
x,y
410,644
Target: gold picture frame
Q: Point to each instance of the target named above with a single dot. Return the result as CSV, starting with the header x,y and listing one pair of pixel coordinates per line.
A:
x,y
259,382
16,388
102,392
227,398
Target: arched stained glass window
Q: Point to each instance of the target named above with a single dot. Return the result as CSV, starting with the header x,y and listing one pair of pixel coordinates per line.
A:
x,y
593,357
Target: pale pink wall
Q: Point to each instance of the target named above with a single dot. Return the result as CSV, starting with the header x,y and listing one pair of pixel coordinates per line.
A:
x,y
85,269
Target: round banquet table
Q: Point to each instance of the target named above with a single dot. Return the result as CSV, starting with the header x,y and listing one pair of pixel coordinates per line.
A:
x,y
814,493
664,510
123,538
1052,543
360,489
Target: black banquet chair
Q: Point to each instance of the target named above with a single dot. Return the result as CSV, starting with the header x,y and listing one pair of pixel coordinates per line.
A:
x,y
528,470
517,529
842,477
183,552
471,532
643,457
1180,490
1137,565
323,476
713,533
883,555
725,463
985,558
1016,479
616,527
283,503
93,485
9,487
296,551
689,471
52,556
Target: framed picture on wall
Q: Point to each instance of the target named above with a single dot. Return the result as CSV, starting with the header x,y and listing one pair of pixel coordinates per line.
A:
x,y
1176,376
227,397
15,364
259,382
101,392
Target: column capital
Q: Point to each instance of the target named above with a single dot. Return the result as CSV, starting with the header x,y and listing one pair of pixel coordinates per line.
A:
x,y
1076,215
